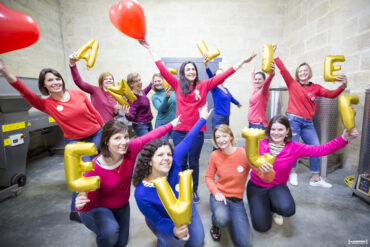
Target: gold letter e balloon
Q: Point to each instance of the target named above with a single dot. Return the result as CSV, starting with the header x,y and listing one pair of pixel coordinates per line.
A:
x,y
179,210
75,167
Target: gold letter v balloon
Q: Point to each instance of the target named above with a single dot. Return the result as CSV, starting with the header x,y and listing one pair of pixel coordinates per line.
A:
x,y
75,168
347,113
178,210
122,89
252,137
128,17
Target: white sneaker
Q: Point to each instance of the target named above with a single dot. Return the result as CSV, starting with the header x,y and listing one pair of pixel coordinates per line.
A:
x,y
278,219
293,179
321,183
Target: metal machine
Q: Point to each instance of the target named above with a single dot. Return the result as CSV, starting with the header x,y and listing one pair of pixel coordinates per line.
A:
x,y
17,125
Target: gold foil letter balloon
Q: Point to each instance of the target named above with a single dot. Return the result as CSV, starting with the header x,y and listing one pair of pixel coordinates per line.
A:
x,y
267,57
347,113
179,210
329,67
75,168
121,89
165,83
89,57
204,50
252,137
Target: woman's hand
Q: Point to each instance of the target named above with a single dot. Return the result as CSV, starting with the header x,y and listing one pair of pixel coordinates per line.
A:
x,y
265,167
8,76
342,79
167,92
176,121
72,59
2,66
81,200
220,197
246,60
181,232
239,106
350,134
205,60
126,110
272,68
204,113
144,43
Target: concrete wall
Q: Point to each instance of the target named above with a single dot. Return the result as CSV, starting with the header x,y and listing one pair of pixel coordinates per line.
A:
x,y
304,31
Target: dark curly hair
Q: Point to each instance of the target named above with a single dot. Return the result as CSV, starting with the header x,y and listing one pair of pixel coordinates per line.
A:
x,y
142,168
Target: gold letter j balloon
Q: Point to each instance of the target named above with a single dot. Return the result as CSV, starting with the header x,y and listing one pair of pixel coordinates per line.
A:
x,y
346,111
75,167
252,137
179,210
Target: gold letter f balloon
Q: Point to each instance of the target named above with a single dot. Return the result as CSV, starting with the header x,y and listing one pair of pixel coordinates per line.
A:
x,y
252,137
75,167
178,210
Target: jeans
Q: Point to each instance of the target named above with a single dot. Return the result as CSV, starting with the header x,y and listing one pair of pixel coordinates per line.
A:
x,y
196,233
191,159
167,136
232,214
111,226
142,128
218,119
302,127
265,200
257,126
95,138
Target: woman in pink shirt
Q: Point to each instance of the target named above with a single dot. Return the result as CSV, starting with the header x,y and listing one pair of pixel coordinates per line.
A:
x,y
272,200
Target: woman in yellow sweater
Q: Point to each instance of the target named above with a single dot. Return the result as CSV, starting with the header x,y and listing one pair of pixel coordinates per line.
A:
x,y
230,165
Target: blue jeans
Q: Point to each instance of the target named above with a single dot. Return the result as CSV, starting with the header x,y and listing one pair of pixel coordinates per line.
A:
x,y
218,119
111,226
232,214
95,138
167,136
265,200
304,128
191,159
257,126
196,233
142,128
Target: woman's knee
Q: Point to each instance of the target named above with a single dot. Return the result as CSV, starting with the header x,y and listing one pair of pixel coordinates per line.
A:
x,y
261,226
287,210
107,238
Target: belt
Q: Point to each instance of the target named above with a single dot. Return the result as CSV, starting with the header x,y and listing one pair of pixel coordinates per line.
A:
x,y
234,199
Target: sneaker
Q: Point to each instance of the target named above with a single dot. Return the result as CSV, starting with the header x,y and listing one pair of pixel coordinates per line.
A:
x,y
278,219
320,183
293,179
74,216
195,197
215,233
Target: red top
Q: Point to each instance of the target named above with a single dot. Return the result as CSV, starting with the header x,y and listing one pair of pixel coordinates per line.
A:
x,y
76,117
188,105
302,98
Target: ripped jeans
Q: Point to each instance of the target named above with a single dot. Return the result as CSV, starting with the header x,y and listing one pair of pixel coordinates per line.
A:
x,y
304,128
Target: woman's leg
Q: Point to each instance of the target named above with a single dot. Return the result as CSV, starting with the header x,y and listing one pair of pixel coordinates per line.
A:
x,y
257,126
194,155
123,217
178,136
164,240
259,206
102,221
240,229
221,216
196,230
281,200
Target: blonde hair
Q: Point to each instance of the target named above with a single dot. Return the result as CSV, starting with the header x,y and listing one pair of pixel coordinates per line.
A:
x,y
309,69
224,129
102,77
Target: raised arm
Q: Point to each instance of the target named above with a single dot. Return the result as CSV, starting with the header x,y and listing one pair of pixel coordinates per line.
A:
x,y
7,75
334,93
268,81
205,61
84,86
284,72
161,103
148,88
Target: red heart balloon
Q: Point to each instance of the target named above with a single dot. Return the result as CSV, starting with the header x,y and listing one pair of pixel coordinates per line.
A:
x,y
17,30
128,17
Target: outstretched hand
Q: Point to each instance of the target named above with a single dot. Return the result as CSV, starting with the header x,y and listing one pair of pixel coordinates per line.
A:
x,y
72,59
350,134
144,43
204,113
176,121
81,200
250,58
205,60
343,79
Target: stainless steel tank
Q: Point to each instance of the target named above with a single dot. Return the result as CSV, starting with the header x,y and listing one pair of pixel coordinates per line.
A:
x,y
278,102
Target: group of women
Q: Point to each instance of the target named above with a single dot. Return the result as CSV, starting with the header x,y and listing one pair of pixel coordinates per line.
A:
x,y
106,211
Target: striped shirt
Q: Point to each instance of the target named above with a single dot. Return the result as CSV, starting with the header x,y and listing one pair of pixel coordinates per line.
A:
x,y
275,149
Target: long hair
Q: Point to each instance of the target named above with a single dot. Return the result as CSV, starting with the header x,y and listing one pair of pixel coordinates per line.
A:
x,y
281,120
184,83
42,76
110,128
142,168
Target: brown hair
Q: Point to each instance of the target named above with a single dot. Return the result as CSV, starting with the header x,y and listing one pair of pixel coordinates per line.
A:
x,y
281,120
42,76
222,128
309,69
102,77
156,75
110,128
131,77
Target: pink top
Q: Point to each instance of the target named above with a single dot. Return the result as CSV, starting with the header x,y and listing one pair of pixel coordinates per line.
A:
x,y
258,102
76,117
289,155
188,105
114,191
302,98
102,101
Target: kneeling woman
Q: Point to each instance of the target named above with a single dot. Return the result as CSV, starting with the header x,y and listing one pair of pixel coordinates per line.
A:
x,y
273,200
230,165
106,211
158,159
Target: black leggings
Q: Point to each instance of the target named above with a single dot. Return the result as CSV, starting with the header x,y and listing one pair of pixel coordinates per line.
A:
x,y
265,200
